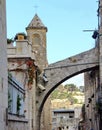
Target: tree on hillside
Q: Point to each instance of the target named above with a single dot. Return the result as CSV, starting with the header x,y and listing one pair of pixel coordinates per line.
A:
x,y
72,99
60,88
71,87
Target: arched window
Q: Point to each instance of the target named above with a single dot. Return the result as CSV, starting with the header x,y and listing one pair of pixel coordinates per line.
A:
x,y
36,40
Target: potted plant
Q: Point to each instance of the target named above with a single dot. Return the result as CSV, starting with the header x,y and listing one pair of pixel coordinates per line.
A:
x,y
9,41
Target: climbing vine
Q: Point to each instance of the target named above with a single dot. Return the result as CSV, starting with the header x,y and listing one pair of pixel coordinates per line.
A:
x,y
31,72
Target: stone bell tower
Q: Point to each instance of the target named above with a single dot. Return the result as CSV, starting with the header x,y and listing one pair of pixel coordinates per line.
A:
x,y
36,32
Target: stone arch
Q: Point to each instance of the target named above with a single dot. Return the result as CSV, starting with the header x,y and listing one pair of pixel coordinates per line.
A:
x,y
60,71
68,77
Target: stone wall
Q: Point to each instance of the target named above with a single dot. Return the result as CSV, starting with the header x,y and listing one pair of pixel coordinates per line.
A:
x,y
19,58
91,98
37,38
3,67
47,115
17,123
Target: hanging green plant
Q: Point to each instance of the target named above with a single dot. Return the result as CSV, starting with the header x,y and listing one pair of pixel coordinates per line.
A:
x,y
18,104
9,102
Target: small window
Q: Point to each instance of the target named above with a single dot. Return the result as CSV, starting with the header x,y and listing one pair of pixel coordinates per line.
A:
x,y
15,97
36,40
67,127
71,115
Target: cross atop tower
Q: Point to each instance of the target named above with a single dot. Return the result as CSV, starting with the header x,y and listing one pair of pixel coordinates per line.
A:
x,y
36,7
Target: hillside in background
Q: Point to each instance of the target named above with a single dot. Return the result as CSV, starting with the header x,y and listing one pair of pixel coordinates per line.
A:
x,y
67,96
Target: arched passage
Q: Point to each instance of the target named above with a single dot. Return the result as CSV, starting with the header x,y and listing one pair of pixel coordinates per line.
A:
x,y
61,71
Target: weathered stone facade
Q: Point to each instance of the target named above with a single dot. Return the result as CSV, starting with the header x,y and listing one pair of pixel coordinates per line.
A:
x,y
47,115
93,86
3,67
36,32
91,100
60,71
18,58
65,119
15,123
56,73
30,49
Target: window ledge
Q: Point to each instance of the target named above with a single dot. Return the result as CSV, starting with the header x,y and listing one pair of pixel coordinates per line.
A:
x,y
16,118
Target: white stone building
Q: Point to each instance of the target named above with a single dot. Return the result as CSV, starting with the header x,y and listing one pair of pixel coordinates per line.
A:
x,y
65,119
26,61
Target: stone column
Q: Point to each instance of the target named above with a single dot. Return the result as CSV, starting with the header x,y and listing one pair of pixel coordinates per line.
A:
x,y
38,118
3,67
100,43
100,64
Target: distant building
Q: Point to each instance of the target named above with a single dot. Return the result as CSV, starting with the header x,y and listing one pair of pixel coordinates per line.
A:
x,y
65,119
